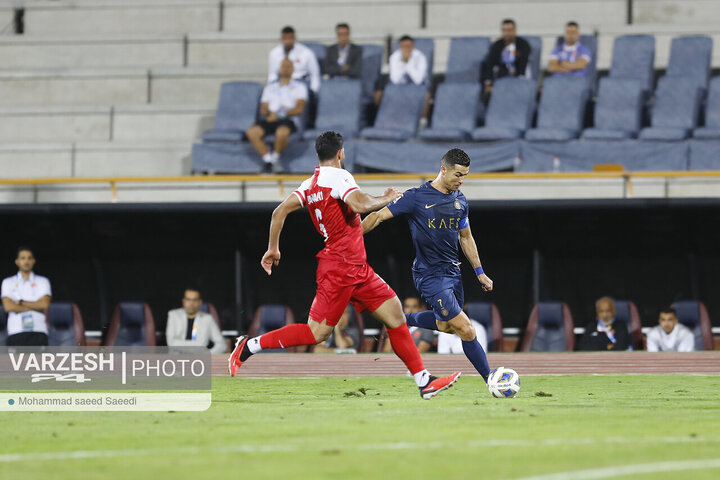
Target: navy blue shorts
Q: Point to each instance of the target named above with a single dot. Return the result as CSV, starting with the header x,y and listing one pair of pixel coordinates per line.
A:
x,y
444,294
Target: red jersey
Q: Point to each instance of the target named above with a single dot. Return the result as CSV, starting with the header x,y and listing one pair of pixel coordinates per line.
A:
x,y
324,194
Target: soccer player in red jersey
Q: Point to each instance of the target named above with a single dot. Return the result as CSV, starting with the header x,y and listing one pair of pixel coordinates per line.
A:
x,y
343,275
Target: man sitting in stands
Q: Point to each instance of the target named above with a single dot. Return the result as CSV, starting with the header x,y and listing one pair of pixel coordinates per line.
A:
x,y
605,333
571,58
281,106
306,66
344,59
508,56
669,335
189,327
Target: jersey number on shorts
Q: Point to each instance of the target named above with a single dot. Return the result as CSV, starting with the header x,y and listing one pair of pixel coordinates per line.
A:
x,y
318,215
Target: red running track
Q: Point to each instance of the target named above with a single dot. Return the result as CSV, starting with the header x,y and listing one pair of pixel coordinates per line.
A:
x,y
571,363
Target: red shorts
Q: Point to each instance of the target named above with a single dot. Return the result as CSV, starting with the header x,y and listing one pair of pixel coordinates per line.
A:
x,y
339,283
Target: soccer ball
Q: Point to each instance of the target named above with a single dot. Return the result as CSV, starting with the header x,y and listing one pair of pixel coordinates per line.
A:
x,y
503,382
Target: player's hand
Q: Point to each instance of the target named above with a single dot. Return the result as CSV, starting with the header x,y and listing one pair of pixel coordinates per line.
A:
x,y
486,283
271,257
392,194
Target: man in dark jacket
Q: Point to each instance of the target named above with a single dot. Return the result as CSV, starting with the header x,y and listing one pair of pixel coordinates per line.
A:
x,y
344,59
508,56
605,334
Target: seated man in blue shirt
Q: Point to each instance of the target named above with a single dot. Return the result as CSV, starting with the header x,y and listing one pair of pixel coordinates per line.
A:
x,y
571,58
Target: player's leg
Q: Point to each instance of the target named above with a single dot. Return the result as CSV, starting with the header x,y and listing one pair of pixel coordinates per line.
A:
x,y
426,319
466,331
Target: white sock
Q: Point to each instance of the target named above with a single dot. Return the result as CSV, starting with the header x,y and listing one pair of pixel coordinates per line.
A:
x,y
254,345
275,157
268,158
422,378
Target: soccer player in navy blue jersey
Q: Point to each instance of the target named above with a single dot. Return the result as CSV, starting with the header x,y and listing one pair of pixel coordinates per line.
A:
x,y
437,213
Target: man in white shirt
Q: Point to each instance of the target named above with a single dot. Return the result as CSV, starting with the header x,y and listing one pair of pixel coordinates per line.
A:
x,y
189,327
305,64
281,106
408,64
26,298
670,336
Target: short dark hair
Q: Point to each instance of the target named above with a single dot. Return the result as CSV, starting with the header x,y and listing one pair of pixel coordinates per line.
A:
x,y
192,288
327,145
669,309
406,37
24,248
287,29
508,20
342,25
572,23
456,156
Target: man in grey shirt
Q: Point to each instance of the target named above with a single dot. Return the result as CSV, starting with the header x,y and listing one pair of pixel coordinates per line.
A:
x,y
189,327
670,336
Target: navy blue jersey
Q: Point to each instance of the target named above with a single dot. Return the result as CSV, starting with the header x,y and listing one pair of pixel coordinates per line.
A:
x,y
435,219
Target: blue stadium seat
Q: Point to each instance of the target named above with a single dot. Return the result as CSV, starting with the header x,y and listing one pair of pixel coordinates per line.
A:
x,y
591,42
711,130
618,110
694,315
426,46
399,113
236,112
690,58
549,329
210,308
371,67
511,109
320,51
488,315
627,313
534,58
676,110
466,58
65,325
339,108
455,112
3,327
562,109
633,56
131,324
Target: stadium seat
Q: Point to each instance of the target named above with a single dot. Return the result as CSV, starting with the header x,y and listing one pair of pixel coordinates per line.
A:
x,y
399,113
466,58
320,52
690,58
591,42
371,67
131,324
627,312
3,327
534,58
711,130
65,325
694,315
618,110
511,109
549,329
339,108
633,56
676,110
562,109
488,315
210,308
271,317
455,111
236,112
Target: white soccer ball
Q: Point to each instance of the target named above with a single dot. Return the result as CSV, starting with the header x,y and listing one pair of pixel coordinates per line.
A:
x,y
503,382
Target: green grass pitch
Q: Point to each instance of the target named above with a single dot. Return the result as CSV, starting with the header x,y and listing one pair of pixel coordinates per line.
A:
x,y
654,427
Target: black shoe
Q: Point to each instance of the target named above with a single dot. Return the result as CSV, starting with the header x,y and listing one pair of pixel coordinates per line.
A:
x,y
267,168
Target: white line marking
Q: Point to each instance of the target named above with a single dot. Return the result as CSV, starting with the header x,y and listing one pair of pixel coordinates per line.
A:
x,y
209,450
622,470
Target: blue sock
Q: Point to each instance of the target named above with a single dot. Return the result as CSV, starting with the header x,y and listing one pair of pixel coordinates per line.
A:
x,y
474,352
422,320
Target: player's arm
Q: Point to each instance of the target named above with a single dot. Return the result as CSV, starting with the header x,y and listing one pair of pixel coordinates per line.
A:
x,y
360,202
272,256
375,218
469,248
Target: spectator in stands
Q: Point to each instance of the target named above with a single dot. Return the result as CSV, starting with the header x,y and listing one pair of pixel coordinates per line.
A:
x,y
605,333
343,336
305,65
424,338
344,59
571,58
508,56
407,65
26,298
189,327
669,335
281,106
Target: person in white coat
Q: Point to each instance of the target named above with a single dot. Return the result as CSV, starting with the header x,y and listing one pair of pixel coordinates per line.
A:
x,y
189,327
669,335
